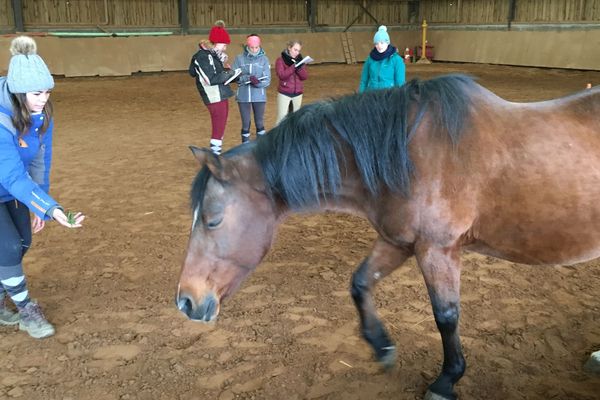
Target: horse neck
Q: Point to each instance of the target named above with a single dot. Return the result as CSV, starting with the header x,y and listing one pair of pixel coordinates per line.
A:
x,y
351,197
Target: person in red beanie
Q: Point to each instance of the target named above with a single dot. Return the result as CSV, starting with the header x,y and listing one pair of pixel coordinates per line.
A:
x,y
209,67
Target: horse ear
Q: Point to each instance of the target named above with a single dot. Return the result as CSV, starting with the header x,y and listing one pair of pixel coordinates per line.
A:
x,y
212,162
208,158
201,155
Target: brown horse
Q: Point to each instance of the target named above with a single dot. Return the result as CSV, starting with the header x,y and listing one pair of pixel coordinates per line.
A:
x,y
435,166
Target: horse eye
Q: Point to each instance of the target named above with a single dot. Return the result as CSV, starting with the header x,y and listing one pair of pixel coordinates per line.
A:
x,y
212,224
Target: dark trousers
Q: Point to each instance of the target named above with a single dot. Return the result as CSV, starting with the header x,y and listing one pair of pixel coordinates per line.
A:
x,y
259,115
15,232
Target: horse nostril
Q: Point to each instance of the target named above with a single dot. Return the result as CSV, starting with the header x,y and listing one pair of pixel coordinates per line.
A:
x,y
205,310
185,305
210,307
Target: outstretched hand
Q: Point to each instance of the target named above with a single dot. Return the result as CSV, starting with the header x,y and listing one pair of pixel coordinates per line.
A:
x,y
75,221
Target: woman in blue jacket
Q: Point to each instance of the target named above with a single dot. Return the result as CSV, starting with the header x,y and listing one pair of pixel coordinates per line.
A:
x,y
25,155
252,85
384,68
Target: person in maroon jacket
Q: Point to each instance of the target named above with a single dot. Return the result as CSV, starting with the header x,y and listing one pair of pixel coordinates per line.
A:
x,y
291,79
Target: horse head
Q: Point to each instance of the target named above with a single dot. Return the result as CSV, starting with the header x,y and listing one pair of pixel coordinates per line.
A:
x,y
232,229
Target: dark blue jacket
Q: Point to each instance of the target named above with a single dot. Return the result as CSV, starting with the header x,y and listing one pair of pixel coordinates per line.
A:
x,y
25,162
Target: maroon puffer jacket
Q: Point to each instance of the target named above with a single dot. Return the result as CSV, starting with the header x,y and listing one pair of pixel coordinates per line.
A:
x,y
290,77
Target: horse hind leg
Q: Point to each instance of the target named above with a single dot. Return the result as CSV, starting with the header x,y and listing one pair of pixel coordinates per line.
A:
x,y
384,259
441,271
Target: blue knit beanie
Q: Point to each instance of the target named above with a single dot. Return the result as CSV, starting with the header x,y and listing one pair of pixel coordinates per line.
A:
x,y
27,72
381,35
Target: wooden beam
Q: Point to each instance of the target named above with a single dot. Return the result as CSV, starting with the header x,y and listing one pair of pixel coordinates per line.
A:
x,y
184,22
512,5
312,14
364,11
17,6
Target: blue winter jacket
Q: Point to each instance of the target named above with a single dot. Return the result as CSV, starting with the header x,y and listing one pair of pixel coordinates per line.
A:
x,y
25,162
257,65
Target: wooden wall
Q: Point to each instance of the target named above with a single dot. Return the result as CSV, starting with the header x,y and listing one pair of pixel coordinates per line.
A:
x,y
148,14
464,11
245,13
100,13
345,12
558,11
496,11
6,14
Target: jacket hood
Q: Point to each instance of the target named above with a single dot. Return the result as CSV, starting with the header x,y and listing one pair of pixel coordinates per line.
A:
x,y
5,100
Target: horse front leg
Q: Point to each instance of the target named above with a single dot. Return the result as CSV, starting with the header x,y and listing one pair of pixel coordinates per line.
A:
x,y
384,259
441,270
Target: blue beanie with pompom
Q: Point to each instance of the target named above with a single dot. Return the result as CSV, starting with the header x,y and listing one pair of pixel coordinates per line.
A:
x,y
381,35
27,72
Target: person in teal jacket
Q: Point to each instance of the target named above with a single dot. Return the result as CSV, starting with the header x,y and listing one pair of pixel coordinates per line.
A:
x,y
25,155
384,68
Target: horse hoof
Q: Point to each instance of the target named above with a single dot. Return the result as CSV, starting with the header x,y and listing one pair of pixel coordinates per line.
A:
x,y
388,360
434,396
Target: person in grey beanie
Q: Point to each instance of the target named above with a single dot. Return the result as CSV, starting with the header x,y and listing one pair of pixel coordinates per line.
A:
x,y
26,127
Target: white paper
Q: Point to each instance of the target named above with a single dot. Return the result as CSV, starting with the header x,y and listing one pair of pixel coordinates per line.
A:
x,y
262,78
305,60
237,73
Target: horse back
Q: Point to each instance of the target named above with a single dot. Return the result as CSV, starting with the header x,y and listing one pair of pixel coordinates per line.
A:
x,y
522,184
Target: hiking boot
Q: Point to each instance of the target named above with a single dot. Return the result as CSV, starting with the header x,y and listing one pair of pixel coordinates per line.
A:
x,y
7,317
33,321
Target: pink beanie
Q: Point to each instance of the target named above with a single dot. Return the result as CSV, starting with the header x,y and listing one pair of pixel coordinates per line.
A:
x,y
253,41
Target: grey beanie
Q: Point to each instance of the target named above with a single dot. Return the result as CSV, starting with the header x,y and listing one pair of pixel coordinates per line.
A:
x,y
27,72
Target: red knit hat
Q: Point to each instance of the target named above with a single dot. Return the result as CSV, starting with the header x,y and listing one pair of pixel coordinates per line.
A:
x,y
218,34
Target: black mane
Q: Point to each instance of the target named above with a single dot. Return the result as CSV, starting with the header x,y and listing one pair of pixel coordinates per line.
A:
x,y
301,158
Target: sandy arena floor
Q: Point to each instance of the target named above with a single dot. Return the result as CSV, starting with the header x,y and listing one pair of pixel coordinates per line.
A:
x,y
291,332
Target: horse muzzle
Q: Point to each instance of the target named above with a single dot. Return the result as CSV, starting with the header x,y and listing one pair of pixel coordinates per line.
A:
x,y
205,310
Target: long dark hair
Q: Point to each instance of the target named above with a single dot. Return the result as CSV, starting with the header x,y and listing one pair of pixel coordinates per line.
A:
x,y
22,116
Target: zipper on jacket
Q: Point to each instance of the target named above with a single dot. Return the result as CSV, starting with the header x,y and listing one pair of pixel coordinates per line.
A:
x,y
250,86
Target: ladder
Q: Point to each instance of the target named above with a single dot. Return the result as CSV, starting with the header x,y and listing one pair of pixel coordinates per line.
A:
x,y
348,47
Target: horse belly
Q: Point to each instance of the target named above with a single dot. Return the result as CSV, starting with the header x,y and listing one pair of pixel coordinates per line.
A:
x,y
539,256
563,228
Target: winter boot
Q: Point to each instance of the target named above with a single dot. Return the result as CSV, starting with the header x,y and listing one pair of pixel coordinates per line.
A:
x,y
215,146
7,317
33,321
245,136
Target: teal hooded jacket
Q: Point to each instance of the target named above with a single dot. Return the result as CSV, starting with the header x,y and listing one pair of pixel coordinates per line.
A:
x,y
386,73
